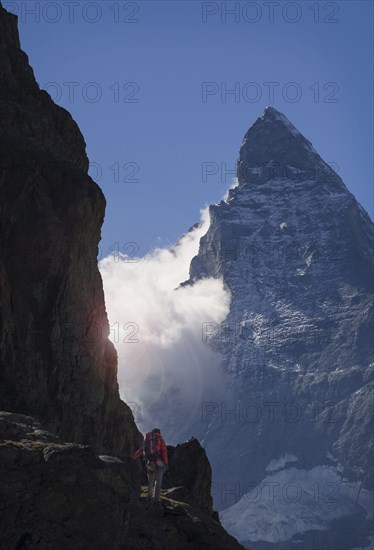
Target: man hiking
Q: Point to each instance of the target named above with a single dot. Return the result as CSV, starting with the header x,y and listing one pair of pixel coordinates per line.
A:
x,y
155,453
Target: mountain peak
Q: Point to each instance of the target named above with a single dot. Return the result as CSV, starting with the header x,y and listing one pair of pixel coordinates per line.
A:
x,y
271,111
274,141
8,29
272,114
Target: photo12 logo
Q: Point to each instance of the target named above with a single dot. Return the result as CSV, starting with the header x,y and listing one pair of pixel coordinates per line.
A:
x,y
269,91
279,258
269,491
269,12
93,92
269,412
74,11
88,333
117,172
77,252
224,172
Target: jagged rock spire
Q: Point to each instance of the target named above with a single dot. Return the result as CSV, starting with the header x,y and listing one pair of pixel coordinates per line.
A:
x,y
274,148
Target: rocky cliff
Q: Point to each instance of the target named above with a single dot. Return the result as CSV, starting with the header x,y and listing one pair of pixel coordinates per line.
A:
x,y
67,479
56,360
62,495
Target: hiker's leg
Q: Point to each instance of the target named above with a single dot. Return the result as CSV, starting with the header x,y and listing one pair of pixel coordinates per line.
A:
x,y
151,482
159,474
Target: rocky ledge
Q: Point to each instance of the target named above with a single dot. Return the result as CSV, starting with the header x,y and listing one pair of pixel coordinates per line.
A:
x,y
62,495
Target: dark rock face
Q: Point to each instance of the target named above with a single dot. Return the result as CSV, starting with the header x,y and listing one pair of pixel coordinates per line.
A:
x,y
273,148
56,494
189,475
62,495
294,248
56,360
189,467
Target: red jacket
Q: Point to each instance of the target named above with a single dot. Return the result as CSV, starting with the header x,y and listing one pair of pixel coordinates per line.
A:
x,y
164,451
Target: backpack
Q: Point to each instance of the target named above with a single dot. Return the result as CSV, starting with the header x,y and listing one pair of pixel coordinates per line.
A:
x,y
152,446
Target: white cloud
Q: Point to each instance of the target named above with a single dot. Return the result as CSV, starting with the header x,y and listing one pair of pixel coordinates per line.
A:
x,y
165,370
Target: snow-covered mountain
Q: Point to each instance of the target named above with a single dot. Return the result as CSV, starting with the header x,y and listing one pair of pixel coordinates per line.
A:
x,y
294,248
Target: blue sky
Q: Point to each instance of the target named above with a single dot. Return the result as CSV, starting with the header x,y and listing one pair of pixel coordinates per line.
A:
x,y
132,74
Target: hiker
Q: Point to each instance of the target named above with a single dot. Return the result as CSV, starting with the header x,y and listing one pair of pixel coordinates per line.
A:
x,y
155,453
